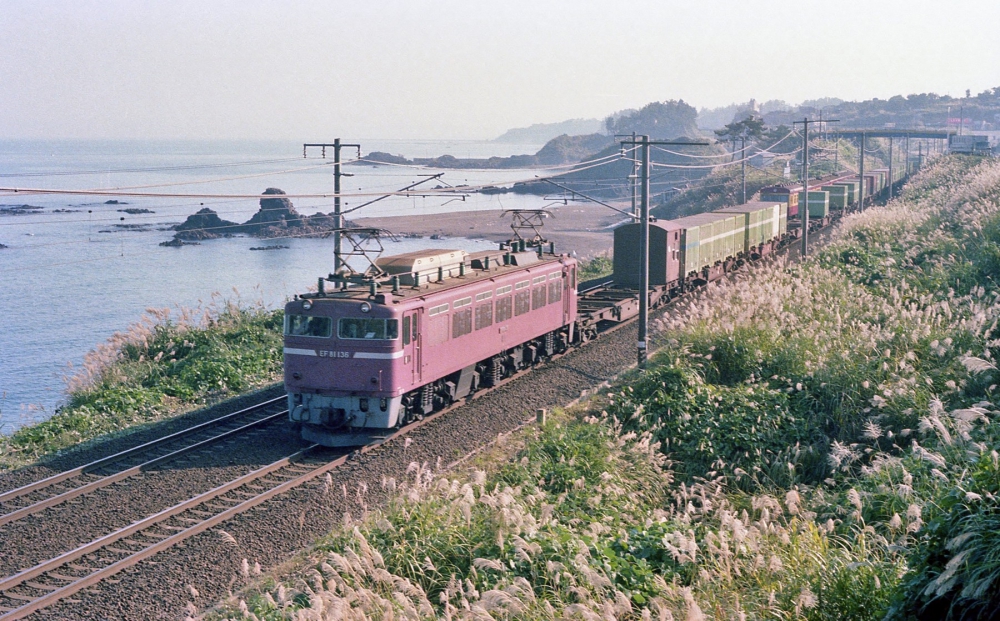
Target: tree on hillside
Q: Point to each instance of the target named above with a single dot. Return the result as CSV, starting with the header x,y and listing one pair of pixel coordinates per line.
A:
x,y
780,140
658,120
750,129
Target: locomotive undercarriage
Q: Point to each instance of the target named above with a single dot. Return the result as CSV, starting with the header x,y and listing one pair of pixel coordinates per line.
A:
x,y
487,373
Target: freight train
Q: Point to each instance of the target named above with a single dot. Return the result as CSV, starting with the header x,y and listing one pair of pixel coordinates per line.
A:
x,y
422,330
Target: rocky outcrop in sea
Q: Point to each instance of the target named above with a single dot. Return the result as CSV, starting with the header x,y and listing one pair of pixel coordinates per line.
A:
x,y
276,218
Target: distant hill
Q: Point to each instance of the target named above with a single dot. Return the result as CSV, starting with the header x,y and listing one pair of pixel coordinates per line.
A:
x,y
540,133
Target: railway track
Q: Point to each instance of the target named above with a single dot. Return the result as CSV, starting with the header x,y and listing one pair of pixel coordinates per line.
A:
x,y
38,587
35,497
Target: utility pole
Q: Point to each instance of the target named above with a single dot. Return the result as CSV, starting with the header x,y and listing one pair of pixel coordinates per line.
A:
x,y
836,153
890,167
635,180
338,221
861,176
907,155
920,155
804,211
743,156
644,143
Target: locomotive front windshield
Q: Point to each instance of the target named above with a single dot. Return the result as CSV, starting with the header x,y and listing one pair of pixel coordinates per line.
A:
x,y
304,325
368,328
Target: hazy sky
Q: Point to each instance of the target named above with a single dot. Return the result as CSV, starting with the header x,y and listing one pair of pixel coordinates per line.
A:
x,y
312,70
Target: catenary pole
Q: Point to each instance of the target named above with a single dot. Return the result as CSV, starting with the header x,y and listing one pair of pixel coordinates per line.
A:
x,y
743,166
890,167
338,220
804,214
644,143
644,262
804,210
861,175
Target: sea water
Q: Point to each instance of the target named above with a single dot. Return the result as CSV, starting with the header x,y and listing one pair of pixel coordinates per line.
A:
x,y
80,269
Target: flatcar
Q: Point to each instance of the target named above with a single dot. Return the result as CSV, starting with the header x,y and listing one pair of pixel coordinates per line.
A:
x,y
434,327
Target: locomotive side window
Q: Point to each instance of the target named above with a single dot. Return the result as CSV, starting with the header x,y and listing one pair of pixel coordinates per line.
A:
x,y
304,325
462,318
522,302
484,315
555,288
538,296
368,328
406,330
503,308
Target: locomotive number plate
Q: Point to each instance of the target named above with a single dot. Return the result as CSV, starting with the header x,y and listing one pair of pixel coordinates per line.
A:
x,y
333,354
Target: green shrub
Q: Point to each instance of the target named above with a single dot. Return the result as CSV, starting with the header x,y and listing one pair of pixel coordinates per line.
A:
x,y
155,369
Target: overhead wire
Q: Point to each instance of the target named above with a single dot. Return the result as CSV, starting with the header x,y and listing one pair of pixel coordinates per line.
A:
x,y
62,173
713,166
512,169
222,179
11,191
728,154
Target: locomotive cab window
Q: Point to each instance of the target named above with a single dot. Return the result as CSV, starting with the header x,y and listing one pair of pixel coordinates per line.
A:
x,y
304,325
406,330
368,328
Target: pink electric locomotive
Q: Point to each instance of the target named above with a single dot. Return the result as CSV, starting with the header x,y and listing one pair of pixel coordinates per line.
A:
x,y
432,328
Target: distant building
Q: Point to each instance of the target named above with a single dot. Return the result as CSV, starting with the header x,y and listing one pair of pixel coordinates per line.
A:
x,y
762,159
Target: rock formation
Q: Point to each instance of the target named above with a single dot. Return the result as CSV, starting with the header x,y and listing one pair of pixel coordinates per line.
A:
x,y
276,218
205,224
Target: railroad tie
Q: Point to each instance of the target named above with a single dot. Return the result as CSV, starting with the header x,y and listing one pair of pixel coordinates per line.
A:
x,y
42,587
120,550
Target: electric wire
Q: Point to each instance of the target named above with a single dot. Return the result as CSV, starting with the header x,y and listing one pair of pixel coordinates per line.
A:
x,y
63,173
9,191
727,154
713,166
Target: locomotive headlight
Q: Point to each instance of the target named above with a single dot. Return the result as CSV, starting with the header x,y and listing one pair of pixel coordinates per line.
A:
x,y
307,305
365,307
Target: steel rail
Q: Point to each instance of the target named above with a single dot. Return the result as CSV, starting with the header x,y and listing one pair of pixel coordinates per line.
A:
x,y
104,461
165,543
130,472
43,568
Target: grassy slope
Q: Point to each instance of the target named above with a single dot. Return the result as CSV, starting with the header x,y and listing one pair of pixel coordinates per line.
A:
x,y
832,439
157,368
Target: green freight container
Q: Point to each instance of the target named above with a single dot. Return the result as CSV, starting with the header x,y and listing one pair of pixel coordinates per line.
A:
x,y
852,190
762,221
838,195
819,203
881,177
707,239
